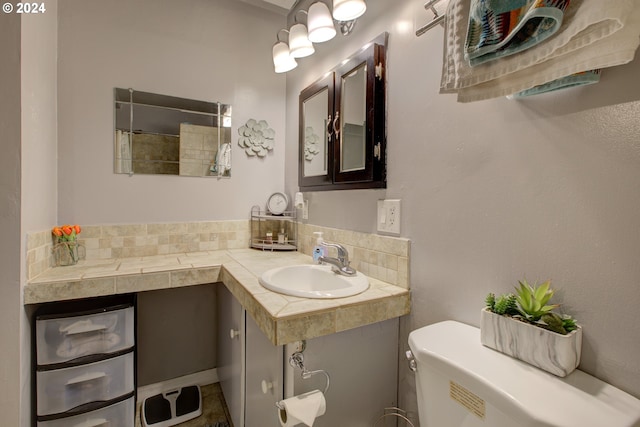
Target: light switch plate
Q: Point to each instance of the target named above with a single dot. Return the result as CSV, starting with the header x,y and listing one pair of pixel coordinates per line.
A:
x,y
389,216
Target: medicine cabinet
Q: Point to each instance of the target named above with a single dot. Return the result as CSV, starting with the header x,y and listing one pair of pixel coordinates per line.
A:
x,y
342,126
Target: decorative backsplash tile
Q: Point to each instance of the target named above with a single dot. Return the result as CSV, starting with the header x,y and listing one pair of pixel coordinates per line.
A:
x,y
140,240
382,257
39,256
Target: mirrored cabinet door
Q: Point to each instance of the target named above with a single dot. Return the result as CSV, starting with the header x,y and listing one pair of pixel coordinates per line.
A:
x,y
353,122
316,133
360,105
342,129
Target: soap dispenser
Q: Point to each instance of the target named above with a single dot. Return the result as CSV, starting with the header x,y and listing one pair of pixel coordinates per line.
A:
x,y
319,250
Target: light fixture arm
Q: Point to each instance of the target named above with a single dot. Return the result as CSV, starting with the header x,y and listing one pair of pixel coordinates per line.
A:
x,y
346,27
278,34
295,15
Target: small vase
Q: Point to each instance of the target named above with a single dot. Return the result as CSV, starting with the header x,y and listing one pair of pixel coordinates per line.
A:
x,y
552,352
68,253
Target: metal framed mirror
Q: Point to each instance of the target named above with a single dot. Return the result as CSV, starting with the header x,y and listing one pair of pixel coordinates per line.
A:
x,y
167,135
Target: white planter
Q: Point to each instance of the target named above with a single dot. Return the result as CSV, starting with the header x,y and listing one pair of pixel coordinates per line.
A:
x,y
555,353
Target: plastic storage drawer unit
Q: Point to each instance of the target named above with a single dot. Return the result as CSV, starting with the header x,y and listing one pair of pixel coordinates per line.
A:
x,y
63,339
120,414
84,357
64,389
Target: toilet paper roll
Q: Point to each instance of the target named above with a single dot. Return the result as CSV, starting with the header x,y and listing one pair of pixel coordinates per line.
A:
x,y
302,409
298,200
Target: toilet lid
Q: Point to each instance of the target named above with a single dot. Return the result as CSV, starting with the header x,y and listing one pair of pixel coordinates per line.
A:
x,y
520,390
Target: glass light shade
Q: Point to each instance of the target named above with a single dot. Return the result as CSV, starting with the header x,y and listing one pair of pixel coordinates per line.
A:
x,y
348,10
320,23
299,44
282,60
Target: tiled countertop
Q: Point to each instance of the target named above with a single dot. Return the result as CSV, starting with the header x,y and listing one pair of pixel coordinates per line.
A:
x,y
283,319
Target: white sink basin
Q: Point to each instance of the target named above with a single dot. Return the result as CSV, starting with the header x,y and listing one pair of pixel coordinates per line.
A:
x,y
313,281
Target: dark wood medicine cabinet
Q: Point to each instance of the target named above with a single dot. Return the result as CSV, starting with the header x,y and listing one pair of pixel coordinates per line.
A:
x,y
342,124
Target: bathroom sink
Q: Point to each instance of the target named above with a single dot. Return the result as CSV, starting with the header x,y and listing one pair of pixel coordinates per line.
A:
x,y
313,281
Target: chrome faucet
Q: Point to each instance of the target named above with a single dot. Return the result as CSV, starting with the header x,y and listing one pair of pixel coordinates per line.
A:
x,y
340,264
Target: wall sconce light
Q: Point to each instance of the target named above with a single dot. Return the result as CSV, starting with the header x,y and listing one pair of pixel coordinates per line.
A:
x,y
299,43
321,28
282,59
320,22
348,10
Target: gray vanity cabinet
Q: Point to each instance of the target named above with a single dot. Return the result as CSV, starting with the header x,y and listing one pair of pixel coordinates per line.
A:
x,y
231,351
250,367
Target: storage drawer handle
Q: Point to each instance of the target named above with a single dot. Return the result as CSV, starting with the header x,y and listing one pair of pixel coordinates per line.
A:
x,y
82,326
90,376
93,423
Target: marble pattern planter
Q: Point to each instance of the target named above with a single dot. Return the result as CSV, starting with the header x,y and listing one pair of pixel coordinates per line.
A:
x,y
547,350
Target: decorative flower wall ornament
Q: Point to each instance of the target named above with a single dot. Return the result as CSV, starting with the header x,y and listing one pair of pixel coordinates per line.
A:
x,y
256,138
311,144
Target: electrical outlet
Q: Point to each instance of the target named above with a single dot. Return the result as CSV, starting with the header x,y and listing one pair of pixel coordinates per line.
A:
x,y
389,216
305,210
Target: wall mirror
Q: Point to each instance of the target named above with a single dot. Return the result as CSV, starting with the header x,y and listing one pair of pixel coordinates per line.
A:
x,y
167,135
342,129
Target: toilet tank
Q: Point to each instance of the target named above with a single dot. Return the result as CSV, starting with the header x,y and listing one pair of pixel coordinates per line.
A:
x,y
461,383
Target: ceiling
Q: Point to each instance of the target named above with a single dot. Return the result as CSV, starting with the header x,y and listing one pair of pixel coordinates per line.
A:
x,y
279,6
285,4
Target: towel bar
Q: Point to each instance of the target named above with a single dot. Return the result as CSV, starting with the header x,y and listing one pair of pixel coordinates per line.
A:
x,y
437,18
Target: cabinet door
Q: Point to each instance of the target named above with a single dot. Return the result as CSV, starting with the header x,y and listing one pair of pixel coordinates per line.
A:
x,y
359,142
342,124
315,156
264,363
230,353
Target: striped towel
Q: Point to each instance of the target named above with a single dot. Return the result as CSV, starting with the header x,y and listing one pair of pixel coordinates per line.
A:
x,y
577,79
499,28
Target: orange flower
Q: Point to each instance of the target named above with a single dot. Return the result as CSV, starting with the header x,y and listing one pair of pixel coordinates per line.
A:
x,y
66,233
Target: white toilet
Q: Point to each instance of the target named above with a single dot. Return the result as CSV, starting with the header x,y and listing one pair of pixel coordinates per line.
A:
x,y
461,383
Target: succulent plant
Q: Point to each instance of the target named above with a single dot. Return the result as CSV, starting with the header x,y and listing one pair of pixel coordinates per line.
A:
x,y
532,300
504,304
531,305
490,301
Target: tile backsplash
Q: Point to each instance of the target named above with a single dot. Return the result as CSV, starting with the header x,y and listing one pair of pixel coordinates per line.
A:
x,y
138,240
382,257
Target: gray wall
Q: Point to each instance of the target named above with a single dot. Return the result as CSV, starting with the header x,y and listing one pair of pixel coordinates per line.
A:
x,y
491,192
28,185
496,191
201,49
211,50
360,367
176,333
10,295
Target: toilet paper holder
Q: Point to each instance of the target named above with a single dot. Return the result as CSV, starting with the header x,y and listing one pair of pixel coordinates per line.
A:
x,y
296,360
